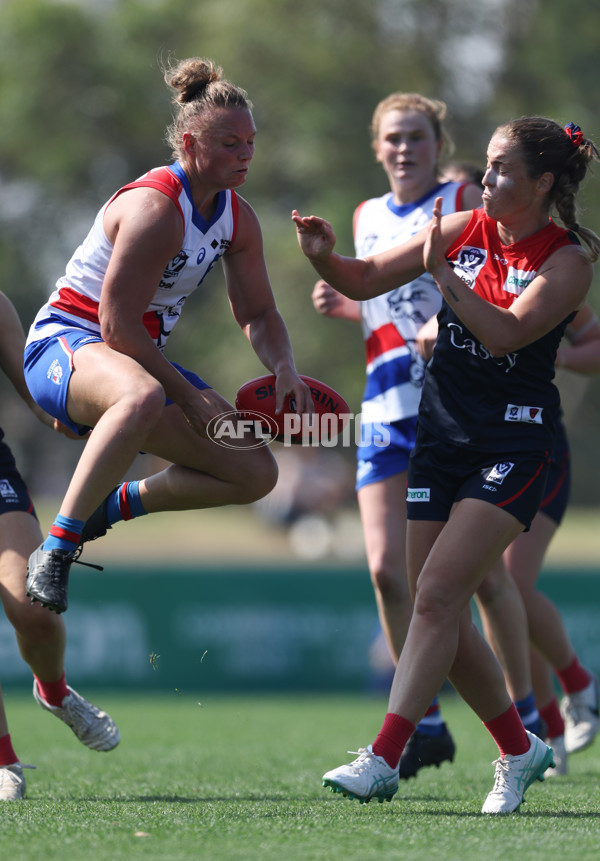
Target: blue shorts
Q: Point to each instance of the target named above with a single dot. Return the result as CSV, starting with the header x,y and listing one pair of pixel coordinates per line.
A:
x,y
14,495
377,462
441,473
48,367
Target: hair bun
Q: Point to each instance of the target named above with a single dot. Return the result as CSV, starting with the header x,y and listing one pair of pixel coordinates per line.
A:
x,y
191,77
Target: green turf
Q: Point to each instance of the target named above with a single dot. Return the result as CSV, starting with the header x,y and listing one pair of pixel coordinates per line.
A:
x,y
225,779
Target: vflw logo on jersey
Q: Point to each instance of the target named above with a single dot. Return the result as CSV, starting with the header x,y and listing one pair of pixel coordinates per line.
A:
x,y
529,415
469,263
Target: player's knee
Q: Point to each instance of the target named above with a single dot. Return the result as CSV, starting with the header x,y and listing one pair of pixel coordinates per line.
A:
x,y
435,603
261,478
144,404
33,624
389,582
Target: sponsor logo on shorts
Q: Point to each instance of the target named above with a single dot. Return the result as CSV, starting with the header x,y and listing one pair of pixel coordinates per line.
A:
x,y
7,491
418,494
55,372
498,473
529,415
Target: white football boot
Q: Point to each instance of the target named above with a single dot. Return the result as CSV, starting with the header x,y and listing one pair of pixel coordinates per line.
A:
x,y
367,777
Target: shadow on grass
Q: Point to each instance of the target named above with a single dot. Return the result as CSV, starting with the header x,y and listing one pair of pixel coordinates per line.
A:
x,y
167,799
391,809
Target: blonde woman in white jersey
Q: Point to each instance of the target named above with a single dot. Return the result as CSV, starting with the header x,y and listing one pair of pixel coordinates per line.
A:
x,y
94,357
410,141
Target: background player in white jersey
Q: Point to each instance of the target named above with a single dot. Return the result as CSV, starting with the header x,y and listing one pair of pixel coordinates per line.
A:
x,y
511,280
41,636
409,139
94,355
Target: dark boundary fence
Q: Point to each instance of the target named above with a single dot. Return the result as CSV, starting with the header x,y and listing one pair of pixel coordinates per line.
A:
x,y
231,629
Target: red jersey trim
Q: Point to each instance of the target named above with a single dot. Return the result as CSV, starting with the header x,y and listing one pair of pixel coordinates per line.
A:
x,y
168,184
386,338
72,302
235,212
355,217
460,193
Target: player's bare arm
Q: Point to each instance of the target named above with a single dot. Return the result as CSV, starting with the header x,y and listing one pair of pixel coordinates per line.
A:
x,y
559,289
364,278
254,309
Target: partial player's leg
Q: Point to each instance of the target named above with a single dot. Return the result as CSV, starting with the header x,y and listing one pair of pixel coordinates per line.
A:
x,y
580,704
504,621
444,580
383,513
41,638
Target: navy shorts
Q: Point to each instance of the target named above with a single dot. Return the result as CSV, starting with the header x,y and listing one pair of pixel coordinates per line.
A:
x,y
384,450
441,473
48,367
558,487
14,495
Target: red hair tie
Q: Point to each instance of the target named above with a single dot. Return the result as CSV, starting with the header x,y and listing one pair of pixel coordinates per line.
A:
x,y
575,133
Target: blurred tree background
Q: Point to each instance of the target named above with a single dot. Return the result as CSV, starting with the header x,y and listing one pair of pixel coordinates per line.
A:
x,y
84,109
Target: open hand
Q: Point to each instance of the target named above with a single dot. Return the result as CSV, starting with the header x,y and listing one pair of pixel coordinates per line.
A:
x,y
434,251
315,235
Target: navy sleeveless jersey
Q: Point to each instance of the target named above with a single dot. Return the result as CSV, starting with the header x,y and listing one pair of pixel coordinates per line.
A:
x,y
507,403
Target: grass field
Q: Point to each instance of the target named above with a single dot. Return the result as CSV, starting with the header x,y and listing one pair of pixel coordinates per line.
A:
x,y
240,778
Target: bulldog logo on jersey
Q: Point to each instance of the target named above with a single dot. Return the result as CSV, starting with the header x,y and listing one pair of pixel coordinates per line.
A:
x,y
469,263
499,471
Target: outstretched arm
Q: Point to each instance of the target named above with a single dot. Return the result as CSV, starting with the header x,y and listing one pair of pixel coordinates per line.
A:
x,y
254,308
364,278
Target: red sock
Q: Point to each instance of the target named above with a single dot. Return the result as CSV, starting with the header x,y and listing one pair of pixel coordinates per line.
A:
x,y
392,738
574,677
53,692
7,753
553,719
508,732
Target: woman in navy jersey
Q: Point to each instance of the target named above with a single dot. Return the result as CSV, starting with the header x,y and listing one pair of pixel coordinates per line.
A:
x,y
511,279
94,356
409,139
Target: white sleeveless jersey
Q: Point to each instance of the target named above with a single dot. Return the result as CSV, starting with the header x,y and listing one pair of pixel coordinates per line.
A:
x,y
390,322
75,300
